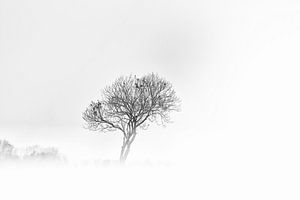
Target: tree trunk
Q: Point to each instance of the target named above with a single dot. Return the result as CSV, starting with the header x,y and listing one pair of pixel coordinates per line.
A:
x,y
126,148
124,152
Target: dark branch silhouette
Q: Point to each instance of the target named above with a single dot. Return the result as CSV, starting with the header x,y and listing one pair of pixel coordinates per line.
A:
x,y
131,103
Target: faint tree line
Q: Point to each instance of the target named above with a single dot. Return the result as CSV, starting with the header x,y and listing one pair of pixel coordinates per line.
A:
x,y
8,152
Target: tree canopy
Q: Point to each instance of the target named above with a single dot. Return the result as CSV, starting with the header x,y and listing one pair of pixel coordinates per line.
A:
x,y
131,103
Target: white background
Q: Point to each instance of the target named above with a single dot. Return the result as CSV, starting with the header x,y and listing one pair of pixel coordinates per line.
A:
x,y
234,64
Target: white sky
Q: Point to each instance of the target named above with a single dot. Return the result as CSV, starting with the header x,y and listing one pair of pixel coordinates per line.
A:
x,y
234,64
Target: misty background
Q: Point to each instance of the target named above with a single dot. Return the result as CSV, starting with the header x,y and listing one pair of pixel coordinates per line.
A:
x,y
234,64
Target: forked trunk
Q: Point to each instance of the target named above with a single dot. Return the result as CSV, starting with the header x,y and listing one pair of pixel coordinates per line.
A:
x,y
126,148
124,152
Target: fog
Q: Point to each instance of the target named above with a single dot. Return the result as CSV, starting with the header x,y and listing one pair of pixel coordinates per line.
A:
x,y
234,64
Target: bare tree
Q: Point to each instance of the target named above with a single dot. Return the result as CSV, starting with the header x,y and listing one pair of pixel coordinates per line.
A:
x,y
131,103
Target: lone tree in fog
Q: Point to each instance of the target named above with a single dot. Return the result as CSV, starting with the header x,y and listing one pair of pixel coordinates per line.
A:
x,y
131,103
